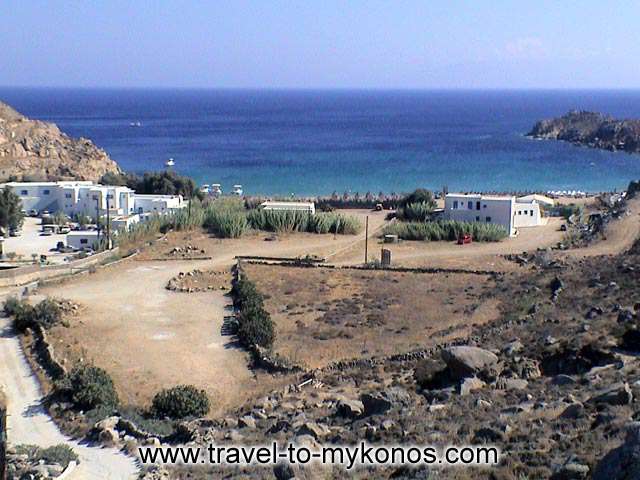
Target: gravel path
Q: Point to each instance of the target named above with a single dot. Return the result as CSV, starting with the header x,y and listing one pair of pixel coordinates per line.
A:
x,y
28,422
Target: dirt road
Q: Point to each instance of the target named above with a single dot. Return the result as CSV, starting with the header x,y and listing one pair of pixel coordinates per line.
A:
x,y
28,423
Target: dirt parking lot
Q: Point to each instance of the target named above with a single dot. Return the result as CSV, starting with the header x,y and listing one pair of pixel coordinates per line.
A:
x,y
323,315
150,338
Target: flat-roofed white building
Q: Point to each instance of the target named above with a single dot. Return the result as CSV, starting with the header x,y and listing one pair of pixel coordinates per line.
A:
x,y
74,197
83,240
308,207
88,198
151,203
506,210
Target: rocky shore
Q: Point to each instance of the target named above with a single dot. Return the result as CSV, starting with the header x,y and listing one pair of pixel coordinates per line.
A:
x,y
591,129
36,150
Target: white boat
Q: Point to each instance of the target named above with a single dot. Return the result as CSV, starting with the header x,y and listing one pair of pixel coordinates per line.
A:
x,y
135,124
215,190
237,190
169,163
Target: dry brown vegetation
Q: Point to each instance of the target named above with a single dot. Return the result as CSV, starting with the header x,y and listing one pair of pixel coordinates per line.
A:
x,y
324,315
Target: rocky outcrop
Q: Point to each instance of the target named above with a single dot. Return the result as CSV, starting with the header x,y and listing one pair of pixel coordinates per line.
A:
x,y
36,150
592,130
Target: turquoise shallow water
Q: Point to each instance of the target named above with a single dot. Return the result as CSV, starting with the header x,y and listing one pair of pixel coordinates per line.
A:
x,y
317,142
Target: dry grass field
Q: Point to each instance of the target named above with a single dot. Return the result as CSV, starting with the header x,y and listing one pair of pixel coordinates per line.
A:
x,y
323,315
148,338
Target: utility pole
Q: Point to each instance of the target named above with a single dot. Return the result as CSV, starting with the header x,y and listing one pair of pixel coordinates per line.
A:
x,y
366,239
108,225
98,217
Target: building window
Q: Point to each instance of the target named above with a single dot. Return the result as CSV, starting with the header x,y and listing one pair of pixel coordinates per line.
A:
x,y
484,206
477,218
455,204
67,195
83,241
519,212
531,212
24,192
46,192
488,219
95,197
470,205
109,196
477,205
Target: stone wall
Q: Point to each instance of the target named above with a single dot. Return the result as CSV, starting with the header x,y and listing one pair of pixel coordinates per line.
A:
x,y
25,275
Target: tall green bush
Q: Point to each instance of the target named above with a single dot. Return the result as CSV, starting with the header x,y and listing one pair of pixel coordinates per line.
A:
x,y
283,221
255,326
446,230
89,387
180,402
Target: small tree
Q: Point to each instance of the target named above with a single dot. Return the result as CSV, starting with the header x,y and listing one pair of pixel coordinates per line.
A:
x,y
11,216
180,402
255,327
89,387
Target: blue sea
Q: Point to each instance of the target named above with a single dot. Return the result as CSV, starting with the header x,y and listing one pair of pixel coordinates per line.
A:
x,y
317,142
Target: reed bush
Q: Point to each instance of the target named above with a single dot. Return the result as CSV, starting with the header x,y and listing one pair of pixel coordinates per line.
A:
x,y
446,230
291,221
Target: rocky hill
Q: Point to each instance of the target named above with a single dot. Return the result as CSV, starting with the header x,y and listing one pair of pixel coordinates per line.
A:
x,y
591,129
36,150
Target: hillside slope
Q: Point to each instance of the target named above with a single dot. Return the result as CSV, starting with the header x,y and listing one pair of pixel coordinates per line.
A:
x,y
36,150
591,129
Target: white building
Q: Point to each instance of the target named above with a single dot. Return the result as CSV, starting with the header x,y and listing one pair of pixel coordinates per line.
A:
x,y
74,197
308,207
145,203
83,240
88,198
507,211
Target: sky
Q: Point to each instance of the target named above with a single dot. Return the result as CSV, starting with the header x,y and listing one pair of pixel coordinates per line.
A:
x,y
410,44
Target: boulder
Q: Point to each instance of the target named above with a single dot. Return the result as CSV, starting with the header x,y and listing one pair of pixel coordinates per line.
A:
x,y
350,408
313,429
563,379
108,437
247,422
375,404
572,471
622,463
573,411
465,361
631,340
470,384
107,423
617,394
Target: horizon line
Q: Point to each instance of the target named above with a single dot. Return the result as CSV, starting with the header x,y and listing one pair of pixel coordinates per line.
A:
x,y
316,89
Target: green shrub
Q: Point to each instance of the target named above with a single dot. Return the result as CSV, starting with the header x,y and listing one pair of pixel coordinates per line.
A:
x,y
46,313
415,212
25,317
12,306
419,196
61,454
446,230
180,402
89,387
283,221
255,326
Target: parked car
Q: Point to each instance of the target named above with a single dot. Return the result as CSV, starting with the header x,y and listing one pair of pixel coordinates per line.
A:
x,y
464,239
33,213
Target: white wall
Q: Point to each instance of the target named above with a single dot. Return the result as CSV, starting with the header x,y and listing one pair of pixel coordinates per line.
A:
x,y
478,208
80,240
527,215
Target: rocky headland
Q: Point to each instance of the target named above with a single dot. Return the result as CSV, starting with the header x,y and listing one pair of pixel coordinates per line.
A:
x,y
37,150
591,129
